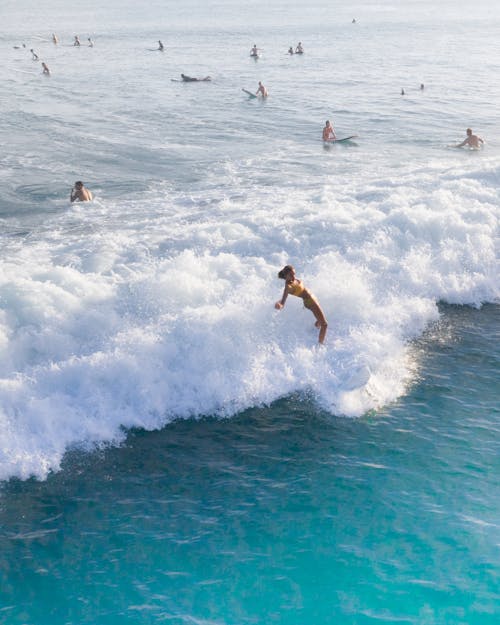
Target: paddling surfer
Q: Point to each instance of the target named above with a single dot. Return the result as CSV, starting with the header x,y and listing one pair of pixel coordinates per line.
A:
x,y
191,79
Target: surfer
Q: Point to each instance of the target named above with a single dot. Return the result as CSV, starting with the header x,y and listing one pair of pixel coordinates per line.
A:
x,y
45,69
160,45
191,79
294,286
299,49
76,42
329,132
80,194
471,140
262,90
34,55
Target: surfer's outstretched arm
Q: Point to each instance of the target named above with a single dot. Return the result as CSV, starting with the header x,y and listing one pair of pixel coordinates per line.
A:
x,y
279,305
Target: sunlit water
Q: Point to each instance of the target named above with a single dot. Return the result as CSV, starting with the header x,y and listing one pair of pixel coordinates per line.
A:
x,y
354,483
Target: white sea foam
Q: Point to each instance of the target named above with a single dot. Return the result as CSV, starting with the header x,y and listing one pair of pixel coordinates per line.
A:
x,y
117,315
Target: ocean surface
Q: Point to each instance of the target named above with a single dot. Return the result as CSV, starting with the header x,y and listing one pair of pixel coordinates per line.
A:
x,y
172,448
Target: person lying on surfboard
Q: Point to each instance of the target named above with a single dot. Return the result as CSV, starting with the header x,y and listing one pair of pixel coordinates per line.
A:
x,y
190,79
294,286
329,132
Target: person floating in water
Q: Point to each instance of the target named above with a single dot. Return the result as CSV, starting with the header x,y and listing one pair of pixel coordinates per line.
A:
x,y
91,43
290,50
80,194
34,55
191,79
329,132
294,286
45,69
262,90
471,140
76,42
160,46
299,49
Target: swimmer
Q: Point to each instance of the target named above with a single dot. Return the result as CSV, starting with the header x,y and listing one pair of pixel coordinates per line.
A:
x,y
299,49
254,51
262,90
160,45
294,286
45,69
55,40
329,132
76,42
80,194
34,55
290,50
403,92
422,86
471,140
91,43
191,79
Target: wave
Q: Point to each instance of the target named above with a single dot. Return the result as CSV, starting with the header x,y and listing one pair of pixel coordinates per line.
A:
x,y
134,313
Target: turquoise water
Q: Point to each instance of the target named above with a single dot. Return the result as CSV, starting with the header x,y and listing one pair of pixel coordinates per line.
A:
x,y
283,514
174,449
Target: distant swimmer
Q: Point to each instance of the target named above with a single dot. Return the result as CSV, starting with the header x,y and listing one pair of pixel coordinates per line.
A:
x,y
422,86
45,69
294,286
80,194
329,132
55,39
299,49
353,20
262,90
471,140
76,42
403,92
254,51
34,55
191,79
160,45
91,43
290,50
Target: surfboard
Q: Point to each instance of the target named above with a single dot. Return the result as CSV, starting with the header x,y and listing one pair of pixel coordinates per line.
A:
x,y
249,93
342,139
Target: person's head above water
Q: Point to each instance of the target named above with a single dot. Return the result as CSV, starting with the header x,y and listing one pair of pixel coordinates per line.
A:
x,y
286,272
469,131
78,184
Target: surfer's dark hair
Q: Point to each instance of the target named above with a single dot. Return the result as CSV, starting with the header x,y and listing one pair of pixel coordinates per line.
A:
x,y
286,269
